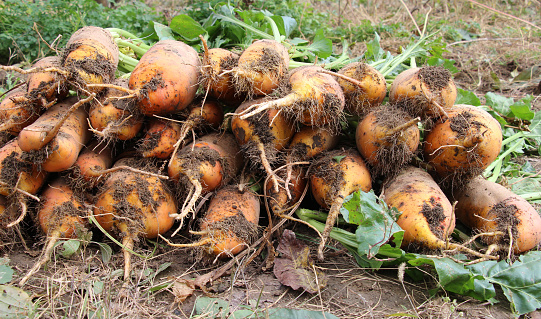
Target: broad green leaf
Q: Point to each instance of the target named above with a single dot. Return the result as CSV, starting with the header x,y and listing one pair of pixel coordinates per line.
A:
x,y
163,32
226,10
251,17
499,103
298,41
15,303
6,274
455,278
535,130
245,313
285,24
523,109
70,247
467,97
375,220
290,25
321,46
520,281
374,52
446,63
106,252
186,27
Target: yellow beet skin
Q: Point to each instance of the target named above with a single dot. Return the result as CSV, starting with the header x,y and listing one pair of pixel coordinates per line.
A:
x,y
427,217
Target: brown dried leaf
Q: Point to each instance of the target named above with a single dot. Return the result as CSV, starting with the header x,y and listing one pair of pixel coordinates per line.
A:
x,y
295,268
182,289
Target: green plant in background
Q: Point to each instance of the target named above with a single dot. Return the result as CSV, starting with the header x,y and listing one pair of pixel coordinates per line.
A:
x,y
310,21
20,22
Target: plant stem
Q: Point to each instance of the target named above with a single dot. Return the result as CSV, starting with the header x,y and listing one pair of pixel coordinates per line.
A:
x,y
130,36
262,34
274,27
136,48
127,62
502,156
339,234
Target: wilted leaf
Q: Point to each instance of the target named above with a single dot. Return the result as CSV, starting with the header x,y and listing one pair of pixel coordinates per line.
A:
x,y
218,308
106,252
6,274
182,289
14,303
211,307
528,74
285,313
97,287
295,269
70,247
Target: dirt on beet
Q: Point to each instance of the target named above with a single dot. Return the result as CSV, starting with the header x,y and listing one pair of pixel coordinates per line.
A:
x,y
436,78
393,153
505,213
435,216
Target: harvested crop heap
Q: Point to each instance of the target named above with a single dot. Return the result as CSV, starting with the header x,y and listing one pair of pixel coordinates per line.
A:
x,y
137,155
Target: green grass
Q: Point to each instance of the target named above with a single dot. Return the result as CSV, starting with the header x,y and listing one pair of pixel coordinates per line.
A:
x,y
22,23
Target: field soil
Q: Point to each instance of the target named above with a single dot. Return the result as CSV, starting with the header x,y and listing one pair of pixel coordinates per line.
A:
x,y
84,286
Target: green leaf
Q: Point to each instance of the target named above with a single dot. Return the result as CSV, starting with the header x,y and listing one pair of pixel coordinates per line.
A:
x,y
70,247
321,46
163,32
446,63
6,274
467,97
160,286
290,25
455,278
15,303
186,27
374,52
520,281
377,223
499,103
495,115
106,252
162,267
523,109
337,159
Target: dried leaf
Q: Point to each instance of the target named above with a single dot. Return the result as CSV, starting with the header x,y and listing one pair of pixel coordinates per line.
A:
x,y
182,289
15,303
295,268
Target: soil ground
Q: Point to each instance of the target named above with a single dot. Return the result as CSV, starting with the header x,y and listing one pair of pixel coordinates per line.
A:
x,y
83,284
